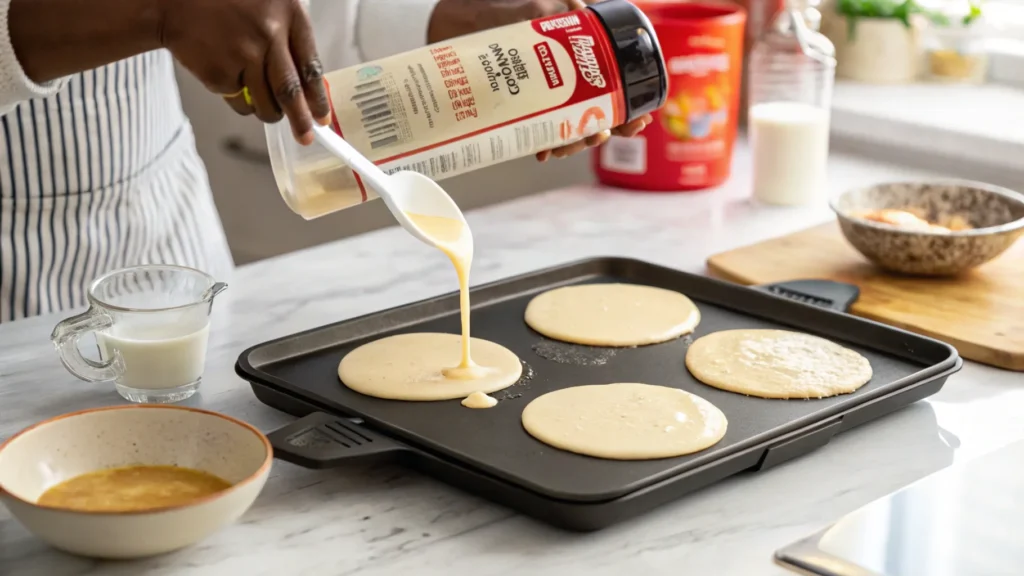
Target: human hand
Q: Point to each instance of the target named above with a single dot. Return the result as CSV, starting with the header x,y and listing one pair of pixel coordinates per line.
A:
x,y
452,18
260,55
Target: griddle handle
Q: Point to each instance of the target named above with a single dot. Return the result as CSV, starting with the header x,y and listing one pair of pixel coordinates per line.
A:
x,y
320,440
836,296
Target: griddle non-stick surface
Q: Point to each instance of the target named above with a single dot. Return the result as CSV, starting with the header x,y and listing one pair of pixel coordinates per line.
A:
x,y
493,441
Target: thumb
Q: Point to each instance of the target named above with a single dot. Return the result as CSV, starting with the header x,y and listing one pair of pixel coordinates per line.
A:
x,y
575,4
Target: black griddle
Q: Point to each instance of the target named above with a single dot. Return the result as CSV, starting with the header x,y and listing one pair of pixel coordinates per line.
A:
x,y
488,452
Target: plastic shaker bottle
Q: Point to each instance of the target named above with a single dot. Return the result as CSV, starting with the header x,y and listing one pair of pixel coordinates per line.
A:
x,y
478,100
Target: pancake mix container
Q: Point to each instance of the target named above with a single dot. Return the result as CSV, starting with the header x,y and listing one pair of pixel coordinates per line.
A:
x,y
689,145
476,101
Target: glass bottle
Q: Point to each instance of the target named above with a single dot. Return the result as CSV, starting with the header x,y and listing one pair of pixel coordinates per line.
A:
x,y
792,71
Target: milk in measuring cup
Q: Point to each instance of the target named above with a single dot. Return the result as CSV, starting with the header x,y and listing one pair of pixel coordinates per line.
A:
x,y
156,357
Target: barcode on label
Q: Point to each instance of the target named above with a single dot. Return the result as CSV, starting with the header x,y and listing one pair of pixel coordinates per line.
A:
x,y
626,155
439,165
378,119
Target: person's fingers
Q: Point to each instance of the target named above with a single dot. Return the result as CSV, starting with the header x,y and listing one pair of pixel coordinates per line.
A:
x,y
575,4
235,97
569,150
311,71
238,99
264,103
238,104
577,147
634,127
572,149
598,139
628,130
523,10
288,92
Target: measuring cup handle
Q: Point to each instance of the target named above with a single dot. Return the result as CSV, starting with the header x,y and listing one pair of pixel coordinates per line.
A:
x,y
66,336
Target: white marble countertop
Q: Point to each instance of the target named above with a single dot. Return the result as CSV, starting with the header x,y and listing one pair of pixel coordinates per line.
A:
x,y
377,520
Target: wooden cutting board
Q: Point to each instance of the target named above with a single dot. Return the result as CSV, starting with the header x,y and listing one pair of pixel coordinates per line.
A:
x,y
980,313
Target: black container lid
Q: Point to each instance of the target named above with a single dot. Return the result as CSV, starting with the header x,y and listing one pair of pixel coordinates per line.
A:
x,y
641,65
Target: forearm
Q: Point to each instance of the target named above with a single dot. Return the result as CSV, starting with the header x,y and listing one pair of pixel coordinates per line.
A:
x,y
55,38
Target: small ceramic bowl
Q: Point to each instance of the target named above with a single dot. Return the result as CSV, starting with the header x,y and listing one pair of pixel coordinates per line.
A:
x,y
996,217
58,449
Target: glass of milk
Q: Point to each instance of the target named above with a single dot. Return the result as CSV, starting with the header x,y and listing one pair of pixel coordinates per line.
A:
x,y
151,324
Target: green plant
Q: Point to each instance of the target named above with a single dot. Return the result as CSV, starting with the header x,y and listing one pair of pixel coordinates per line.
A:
x,y
973,14
898,10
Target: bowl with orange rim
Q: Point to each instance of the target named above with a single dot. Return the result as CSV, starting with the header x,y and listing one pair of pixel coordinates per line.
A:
x,y
132,481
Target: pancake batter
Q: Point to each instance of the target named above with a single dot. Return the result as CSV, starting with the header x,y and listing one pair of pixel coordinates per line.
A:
x,y
415,367
433,366
612,314
625,421
479,400
454,239
776,364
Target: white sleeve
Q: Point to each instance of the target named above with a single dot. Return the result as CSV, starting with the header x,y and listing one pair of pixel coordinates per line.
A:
x,y
15,85
386,27
349,32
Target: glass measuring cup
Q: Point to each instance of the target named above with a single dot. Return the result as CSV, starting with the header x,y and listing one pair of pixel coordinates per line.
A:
x,y
151,325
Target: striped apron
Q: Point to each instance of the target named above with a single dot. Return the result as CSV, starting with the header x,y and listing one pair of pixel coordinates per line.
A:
x,y
102,175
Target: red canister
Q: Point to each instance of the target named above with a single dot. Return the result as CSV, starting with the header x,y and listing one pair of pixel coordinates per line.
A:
x,y
689,145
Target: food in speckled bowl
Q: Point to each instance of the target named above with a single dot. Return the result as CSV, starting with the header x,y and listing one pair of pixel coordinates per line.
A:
x,y
995,217
44,455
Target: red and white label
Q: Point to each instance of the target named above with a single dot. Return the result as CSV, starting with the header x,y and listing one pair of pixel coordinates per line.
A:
x,y
548,64
586,60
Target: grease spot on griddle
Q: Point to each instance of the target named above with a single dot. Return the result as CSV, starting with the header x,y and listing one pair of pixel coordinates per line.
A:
x,y
575,354
510,393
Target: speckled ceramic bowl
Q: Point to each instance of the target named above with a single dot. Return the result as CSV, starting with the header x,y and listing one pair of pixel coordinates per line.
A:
x,y
996,217
55,450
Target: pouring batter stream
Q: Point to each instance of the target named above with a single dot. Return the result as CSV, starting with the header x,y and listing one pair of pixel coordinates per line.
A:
x,y
455,240
433,366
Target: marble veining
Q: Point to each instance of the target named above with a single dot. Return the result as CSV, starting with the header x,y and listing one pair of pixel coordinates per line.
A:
x,y
383,519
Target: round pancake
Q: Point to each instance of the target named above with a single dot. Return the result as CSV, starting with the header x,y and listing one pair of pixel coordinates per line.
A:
x,y
625,421
612,314
410,367
776,364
